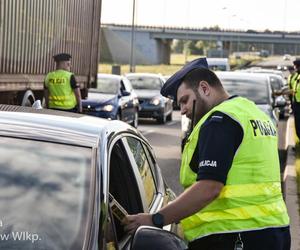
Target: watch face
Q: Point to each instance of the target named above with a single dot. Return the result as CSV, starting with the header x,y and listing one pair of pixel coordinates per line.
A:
x,y
158,220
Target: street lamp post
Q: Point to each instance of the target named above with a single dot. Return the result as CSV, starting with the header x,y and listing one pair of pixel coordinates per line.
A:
x,y
132,64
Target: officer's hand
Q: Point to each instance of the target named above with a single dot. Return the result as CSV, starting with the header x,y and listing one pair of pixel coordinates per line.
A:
x,y
132,222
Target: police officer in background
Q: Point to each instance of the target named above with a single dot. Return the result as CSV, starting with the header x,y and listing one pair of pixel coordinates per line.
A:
x,y
229,170
61,90
293,81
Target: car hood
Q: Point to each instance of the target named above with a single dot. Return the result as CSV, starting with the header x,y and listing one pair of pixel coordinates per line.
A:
x,y
147,93
99,99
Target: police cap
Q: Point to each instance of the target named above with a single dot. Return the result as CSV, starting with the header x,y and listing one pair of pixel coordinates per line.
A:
x,y
297,62
169,89
62,57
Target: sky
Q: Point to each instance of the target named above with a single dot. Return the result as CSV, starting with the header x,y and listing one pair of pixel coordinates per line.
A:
x,y
282,15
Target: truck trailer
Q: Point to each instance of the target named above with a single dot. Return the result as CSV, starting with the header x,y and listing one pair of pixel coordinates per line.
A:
x,y
32,31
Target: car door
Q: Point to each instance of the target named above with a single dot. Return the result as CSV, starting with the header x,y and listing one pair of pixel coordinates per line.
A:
x,y
133,182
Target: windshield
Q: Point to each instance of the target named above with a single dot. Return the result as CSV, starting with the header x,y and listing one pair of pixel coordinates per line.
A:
x,y
145,82
256,92
107,86
44,192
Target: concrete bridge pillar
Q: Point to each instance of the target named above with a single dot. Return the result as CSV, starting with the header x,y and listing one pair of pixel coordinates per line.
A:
x,y
164,51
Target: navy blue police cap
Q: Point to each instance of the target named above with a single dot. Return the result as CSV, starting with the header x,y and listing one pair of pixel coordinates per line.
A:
x,y
62,57
169,89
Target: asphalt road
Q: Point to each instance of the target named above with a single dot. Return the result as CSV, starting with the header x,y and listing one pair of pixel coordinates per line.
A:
x,y
165,140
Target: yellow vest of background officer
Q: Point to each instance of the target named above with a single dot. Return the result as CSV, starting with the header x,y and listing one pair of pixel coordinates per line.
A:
x,y
251,198
61,94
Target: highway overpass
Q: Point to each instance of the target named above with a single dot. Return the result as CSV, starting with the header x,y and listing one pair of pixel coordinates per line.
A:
x,y
152,44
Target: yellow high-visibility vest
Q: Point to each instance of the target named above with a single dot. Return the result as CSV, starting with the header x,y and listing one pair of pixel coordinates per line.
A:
x,y
61,94
251,198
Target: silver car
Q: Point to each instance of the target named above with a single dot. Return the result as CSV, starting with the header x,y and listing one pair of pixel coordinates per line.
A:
x,y
66,180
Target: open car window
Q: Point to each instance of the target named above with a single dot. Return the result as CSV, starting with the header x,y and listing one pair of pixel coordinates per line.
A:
x,y
123,185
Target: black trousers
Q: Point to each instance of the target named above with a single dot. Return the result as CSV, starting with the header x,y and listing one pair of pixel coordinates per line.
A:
x,y
265,239
296,110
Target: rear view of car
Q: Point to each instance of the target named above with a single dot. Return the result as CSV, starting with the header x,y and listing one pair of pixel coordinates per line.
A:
x,y
218,64
153,104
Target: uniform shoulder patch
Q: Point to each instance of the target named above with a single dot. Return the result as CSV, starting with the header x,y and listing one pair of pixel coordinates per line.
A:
x,y
216,118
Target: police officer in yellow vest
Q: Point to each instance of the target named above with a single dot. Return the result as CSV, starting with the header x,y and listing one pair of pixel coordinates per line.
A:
x,y
230,170
294,85
61,90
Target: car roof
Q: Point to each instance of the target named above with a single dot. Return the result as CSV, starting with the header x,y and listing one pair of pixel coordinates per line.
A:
x,y
216,60
109,76
261,77
144,74
262,70
57,126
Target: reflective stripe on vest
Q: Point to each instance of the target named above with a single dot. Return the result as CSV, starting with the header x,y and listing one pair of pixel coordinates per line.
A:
x,y
296,87
251,198
61,94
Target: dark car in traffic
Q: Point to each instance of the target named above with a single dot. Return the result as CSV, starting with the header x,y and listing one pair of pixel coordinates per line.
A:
x,y
278,83
153,105
114,98
66,180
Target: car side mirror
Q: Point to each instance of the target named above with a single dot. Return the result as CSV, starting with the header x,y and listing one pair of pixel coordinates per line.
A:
x,y
280,102
149,238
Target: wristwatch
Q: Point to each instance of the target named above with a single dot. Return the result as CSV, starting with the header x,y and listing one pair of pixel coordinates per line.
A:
x,y
158,220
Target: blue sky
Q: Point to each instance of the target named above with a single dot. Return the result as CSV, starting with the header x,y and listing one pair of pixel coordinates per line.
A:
x,y
233,14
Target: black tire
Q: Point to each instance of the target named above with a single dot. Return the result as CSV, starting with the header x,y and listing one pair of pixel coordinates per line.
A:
x,y
135,121
170,117
162,119
281,115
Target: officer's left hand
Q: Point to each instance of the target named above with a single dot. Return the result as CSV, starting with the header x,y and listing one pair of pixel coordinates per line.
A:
x,y
132,222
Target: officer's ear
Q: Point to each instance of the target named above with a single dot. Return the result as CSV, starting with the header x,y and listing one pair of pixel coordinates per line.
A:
x,y
204,88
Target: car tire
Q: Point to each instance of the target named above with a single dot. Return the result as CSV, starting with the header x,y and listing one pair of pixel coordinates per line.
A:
x,y
118,116
170,117
162,119
135,121
281,115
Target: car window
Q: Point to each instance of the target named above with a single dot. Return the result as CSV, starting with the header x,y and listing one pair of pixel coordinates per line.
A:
x,y
276,83
145,82
122,86
122,184
107,85
256,92
143,164
44,189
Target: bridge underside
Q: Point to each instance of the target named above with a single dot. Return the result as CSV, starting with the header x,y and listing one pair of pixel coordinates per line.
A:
x,y
116,48
152,48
